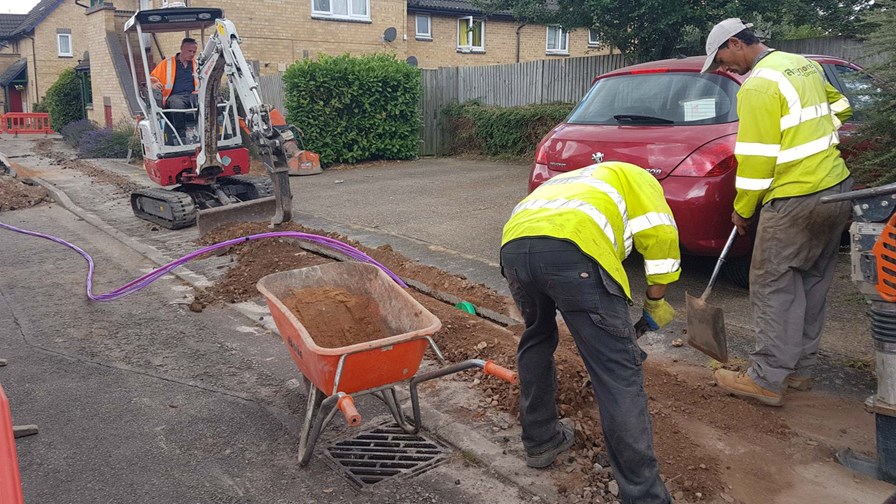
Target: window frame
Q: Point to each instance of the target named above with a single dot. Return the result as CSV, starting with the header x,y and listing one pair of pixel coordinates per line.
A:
x,y
423,35
71,51
595,40
470,48
564,40
328,14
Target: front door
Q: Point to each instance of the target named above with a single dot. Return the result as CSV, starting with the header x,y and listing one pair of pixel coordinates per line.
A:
x,y
15,100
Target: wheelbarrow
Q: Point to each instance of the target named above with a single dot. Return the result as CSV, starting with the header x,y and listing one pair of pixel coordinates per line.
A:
x,y
335,376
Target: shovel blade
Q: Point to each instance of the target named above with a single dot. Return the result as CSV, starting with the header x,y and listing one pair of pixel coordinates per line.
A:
x,y
257,210
706,329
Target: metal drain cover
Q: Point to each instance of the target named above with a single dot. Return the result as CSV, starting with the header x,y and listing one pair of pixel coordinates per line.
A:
x,y
384,452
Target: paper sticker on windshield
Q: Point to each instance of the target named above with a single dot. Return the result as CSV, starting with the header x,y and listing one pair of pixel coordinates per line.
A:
x,y
697,110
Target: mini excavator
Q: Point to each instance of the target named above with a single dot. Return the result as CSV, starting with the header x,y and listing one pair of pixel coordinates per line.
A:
x,y
206,163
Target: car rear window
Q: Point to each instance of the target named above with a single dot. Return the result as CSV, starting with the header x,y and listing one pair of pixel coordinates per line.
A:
x,y
683,98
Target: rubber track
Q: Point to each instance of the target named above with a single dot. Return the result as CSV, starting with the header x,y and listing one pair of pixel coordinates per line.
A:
x,y
180,204
264,185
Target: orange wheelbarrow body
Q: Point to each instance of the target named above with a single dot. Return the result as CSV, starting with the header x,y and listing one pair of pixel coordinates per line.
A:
x,y
373,367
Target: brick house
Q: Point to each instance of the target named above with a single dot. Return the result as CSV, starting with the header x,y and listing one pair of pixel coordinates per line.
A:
x,y
50,38
88,35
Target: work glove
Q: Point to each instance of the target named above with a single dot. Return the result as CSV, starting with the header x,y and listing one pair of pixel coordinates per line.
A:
x,y
657,313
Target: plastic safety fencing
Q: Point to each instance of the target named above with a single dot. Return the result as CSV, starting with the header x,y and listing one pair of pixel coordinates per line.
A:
x,y
25,122
10,480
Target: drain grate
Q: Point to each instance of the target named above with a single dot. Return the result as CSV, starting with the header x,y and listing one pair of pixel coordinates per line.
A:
x,y
384,452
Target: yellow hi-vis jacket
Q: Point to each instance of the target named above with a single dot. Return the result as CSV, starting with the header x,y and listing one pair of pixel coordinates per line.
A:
x,y
165,72
602,209
787,137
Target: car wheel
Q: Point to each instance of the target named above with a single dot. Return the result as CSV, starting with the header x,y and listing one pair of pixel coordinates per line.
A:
x,y
738,271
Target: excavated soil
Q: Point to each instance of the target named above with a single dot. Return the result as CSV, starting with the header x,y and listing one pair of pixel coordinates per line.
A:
x,y
677,403
16,195
337,318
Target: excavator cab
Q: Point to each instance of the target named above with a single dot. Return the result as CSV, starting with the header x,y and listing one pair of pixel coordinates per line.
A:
x,y
195,151
163,144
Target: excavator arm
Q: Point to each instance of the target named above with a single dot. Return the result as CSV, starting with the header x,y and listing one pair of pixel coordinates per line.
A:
x,y
274,138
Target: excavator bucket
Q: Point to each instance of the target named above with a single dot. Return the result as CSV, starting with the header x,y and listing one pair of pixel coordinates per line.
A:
x,y
257,210
275,209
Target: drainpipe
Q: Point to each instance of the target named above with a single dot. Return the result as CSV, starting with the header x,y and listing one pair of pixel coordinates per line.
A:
x,y
34,58
79,4
518,28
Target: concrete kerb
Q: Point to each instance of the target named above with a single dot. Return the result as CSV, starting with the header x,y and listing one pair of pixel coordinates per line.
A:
x,y
470,443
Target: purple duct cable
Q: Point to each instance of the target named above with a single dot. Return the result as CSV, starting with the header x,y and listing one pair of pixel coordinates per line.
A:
x,y
152,276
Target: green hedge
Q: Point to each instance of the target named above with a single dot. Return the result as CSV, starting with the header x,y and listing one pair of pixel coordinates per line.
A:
x,y
502,131
63,100
351,109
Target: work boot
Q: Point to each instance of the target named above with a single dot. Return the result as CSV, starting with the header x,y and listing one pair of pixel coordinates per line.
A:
x,y
801,383
547,456
740,384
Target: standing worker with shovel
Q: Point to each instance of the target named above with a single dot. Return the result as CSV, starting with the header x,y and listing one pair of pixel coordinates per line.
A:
x,y
563,249
787,160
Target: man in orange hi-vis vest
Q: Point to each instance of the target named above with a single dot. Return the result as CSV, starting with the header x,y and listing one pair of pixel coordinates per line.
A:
x,y
176,78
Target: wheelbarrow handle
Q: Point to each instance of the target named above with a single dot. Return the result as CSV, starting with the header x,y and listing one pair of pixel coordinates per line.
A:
x,y
347,406
490,368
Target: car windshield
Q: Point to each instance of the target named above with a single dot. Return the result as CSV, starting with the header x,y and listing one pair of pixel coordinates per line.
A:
x,y
667,98
861,91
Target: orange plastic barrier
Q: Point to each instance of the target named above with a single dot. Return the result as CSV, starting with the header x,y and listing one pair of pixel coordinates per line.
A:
x,y
25,122
10,481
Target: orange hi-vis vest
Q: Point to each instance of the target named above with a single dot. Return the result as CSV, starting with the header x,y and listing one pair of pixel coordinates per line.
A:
x,y
165,72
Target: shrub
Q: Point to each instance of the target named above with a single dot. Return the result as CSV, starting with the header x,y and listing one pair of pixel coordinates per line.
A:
x,y
73,131
63,100
106,143
352,109
873,160
41,106
502,131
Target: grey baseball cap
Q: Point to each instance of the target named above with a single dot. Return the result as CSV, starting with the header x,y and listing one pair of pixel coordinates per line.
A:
x,y
720,34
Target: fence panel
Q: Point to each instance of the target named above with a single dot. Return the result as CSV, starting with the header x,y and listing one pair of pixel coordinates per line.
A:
x,y
841,47
272,92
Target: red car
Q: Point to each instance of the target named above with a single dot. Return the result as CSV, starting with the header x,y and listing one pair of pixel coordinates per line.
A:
x,y
679,125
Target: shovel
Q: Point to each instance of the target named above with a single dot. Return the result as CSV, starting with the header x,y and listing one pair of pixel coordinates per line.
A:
x,y
706,324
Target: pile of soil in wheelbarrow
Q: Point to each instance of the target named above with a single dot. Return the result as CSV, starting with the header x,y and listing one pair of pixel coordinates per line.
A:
x,y
335,317
686,407
16,195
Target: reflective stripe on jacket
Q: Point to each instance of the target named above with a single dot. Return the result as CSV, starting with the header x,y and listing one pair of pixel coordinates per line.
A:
x,y
604,209
165,72
787,137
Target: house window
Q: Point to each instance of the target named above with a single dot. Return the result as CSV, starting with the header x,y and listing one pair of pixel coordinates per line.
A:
x,y
470,35
558,40
64,44
341,9
593,38
424,27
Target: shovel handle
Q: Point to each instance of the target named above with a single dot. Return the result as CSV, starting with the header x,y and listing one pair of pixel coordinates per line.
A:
x,y
719,263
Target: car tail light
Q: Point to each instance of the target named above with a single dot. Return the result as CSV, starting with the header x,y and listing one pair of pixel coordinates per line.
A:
x,y
711,160
541,155
540,172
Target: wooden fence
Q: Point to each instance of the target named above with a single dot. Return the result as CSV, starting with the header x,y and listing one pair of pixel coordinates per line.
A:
x,y
544,81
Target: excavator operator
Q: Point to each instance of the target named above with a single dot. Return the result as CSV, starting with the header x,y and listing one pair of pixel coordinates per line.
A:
x,y
176,78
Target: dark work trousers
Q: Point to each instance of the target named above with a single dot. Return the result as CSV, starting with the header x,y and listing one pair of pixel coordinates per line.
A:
x,y
544,275
793,265
178,119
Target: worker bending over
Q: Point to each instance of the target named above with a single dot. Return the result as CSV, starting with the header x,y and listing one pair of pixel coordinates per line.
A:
x,y
563,249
